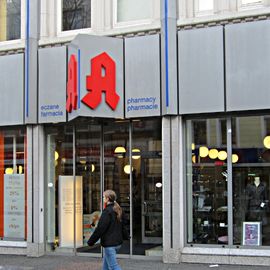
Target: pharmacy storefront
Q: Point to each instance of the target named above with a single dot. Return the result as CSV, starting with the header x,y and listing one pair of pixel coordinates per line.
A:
x,y
192,180
111,139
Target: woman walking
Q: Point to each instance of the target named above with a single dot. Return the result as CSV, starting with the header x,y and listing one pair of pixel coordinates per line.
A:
x,y
109,230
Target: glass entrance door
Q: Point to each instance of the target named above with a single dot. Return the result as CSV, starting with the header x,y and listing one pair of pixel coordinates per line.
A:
x,y
88,178
147,187
117,167
88,157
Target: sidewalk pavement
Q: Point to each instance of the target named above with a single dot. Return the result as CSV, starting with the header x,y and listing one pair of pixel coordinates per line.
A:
x,y
55,262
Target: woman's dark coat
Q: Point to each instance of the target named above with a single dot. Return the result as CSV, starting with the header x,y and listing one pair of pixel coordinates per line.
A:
x,y
109,229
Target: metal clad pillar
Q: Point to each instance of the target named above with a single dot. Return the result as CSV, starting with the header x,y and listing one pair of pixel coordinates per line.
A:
x,y
170,129
169,57
31,60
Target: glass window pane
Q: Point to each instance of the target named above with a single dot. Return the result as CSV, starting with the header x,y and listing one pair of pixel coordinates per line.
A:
x,y
206,182
59,188
76,14
10,19
251,170
117,167
147,187
13,185
133,10
205,5
88,140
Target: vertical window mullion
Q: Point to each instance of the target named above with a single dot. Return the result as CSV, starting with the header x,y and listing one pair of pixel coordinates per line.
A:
x,y
229,182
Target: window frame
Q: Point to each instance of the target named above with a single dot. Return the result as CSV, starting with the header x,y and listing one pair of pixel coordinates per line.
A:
x,y
151,20
9,44
62,33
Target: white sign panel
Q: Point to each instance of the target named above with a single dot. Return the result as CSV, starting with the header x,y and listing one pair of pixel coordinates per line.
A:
x,y
66,211
14,206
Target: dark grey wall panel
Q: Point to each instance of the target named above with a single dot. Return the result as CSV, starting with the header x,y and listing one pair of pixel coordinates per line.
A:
x,y
12,90
247,66
201,70
142,76
52,85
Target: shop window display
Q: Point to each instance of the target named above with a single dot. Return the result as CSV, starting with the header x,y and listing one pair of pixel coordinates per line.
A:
x,y
250,177
206,182
210,173
13,185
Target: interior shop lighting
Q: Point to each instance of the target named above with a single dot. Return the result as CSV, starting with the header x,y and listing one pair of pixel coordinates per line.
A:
x,y
92,168
9,171
158,185
137,153
56,155
127,169
235,158
193,146
213,153
266,142
203,151
119,151
222,155
20,169
83,162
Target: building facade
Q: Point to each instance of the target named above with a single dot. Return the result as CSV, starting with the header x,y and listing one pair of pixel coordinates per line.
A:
x,y
166,102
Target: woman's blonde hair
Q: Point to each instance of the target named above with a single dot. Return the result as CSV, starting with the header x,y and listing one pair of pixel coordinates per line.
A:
x,y
111,195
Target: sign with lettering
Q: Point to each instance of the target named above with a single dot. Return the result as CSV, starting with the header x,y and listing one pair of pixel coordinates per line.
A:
x,y
14,206
52,84
95,77
66,211
142,76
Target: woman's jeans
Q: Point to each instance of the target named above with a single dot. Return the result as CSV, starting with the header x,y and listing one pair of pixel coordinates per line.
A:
x,y
109,260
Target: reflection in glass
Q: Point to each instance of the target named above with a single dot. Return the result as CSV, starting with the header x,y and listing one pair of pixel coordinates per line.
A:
x,y
251,177
116,134
88,141
130,10
10,19
147,187
206,182
59,186
76,14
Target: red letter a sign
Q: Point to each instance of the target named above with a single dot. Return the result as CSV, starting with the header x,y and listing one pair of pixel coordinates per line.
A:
x,y
96,82
72,91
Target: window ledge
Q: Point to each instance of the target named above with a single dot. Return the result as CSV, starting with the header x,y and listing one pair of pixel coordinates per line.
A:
x,y
241,251
226,16
13,244
12,45
128,29
45,41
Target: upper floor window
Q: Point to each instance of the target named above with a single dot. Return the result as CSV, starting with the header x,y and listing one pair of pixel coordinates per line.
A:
x,y
133,10
204,7
10,19
76,14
